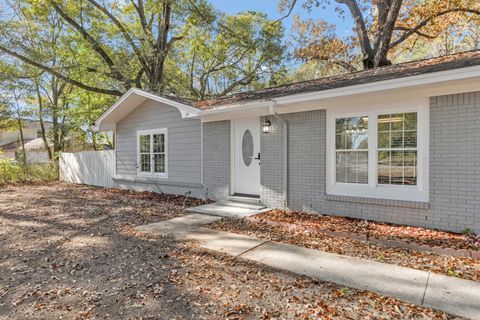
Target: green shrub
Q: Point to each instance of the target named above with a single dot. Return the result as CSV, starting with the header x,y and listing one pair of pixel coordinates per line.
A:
x,y
11,172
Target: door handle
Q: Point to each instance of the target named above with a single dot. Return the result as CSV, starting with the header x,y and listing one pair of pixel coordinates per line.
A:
x,y
258,157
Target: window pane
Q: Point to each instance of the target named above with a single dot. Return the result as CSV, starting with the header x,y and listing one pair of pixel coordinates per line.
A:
x,y
384,140
339,141
410,160
352,167
384,123
341,167
351,133
145,162
159,160
410,139
351,136
158,143
144,143
396,121
397,137
397,167
411,121
384,167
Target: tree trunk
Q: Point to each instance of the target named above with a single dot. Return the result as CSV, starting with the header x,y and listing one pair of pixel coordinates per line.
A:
x,y
20,127
22,139
42,125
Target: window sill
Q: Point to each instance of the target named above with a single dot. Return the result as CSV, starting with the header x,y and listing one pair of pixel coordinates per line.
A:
x,y
379,202
152,175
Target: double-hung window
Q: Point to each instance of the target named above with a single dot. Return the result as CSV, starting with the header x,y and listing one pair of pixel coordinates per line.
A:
x,y
152,152
378,153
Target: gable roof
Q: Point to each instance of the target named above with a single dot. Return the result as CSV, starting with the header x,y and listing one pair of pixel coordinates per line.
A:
x,y
455,61
134,98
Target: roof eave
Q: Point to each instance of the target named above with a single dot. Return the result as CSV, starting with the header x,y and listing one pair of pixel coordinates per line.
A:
x,y
398,83
103,125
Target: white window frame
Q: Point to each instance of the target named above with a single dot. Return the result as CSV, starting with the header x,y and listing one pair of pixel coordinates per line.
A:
x,y
152,132
419,192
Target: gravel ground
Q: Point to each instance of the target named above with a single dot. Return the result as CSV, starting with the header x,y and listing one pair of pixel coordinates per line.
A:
x,y
70,252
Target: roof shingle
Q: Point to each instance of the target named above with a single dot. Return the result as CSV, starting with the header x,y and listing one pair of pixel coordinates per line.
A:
x,y
456,61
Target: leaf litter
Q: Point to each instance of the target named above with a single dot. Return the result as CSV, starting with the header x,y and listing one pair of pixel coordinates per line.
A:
x,y
71,252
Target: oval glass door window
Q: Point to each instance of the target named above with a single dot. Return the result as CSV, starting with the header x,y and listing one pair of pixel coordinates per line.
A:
x,y
247,147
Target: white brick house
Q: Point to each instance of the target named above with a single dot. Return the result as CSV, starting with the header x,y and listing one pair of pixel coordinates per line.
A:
x,y
398,144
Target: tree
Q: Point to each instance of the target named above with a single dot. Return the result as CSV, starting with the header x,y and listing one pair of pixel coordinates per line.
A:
x,y
126,44
381,26
110,46
217,63
13,97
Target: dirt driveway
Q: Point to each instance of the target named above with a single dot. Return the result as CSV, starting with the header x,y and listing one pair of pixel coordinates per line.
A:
x,y
70,252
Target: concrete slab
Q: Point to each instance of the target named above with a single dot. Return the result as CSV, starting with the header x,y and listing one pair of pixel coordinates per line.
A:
x,y
178,227
453,295
390,280
229,243
215,209
195,219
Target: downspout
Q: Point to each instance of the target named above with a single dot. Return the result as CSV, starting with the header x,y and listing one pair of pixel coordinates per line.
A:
x,y
285,151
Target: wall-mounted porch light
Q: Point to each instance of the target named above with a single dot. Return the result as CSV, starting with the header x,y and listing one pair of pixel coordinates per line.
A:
x,y
266,126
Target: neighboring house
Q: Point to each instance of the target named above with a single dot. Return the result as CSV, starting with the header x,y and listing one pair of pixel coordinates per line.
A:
x,y
399,144
10,142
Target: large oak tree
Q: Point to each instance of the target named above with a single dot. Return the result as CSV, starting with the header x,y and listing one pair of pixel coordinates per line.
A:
x,y
380,26
116,45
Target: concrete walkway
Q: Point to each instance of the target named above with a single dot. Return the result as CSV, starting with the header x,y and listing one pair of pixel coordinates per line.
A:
x,y
452,295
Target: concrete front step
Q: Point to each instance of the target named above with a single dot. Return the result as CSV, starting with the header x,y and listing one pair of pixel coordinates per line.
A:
x,y
244,205
227,211
246,200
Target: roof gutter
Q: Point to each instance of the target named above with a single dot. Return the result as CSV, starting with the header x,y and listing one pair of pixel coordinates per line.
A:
x,y
284,123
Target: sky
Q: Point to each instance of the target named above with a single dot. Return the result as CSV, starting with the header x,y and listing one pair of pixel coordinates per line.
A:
x,y
270,7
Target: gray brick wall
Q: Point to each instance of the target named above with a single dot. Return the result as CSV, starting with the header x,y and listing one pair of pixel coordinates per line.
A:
x,y
271,180
216,159
193,191
454,169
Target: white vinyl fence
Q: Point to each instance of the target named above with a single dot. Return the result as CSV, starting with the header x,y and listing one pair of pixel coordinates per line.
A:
x,y
89,167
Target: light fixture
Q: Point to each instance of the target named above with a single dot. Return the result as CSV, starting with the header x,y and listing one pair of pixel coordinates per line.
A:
x,y
266,126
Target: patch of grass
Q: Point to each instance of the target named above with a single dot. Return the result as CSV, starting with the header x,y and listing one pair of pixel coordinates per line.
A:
x,y
13,172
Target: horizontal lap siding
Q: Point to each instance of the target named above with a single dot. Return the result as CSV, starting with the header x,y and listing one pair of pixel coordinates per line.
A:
x,y
184,141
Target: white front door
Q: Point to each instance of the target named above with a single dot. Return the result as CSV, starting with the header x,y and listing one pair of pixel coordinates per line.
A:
x,y
246,156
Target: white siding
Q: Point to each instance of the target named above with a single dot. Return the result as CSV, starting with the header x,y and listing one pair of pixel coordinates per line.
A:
x,y
90,167
184,141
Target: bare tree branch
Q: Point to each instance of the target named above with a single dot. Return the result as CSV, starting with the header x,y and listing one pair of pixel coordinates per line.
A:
x,y
122,29
58,74
427,21
94,43
289,12
418,32
360,26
